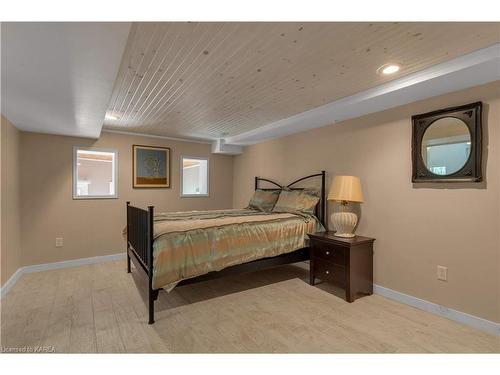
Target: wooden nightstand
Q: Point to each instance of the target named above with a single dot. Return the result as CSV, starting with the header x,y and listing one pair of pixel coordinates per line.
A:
x,y
345,262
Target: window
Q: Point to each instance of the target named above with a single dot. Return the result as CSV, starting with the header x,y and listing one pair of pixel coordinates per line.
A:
x,y
194,177
94,173
439,170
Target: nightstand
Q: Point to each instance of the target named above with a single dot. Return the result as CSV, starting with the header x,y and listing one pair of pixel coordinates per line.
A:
x,y
344,262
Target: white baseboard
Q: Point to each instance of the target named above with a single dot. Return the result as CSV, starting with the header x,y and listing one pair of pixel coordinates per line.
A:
x,y
434,308
11,282
73,263
57,265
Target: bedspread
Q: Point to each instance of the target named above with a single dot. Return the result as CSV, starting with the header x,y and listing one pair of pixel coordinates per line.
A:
x,y
189,244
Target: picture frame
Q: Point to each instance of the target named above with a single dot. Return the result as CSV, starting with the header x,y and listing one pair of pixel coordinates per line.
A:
x,y
151,167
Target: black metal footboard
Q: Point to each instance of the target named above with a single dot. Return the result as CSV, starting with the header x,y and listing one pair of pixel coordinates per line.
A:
x,y
140,247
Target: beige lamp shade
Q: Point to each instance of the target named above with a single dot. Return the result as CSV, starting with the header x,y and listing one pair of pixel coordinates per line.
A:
x,y
346,188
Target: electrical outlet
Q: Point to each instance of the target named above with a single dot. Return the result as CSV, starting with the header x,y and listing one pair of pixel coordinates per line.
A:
x,y
59,242
442,273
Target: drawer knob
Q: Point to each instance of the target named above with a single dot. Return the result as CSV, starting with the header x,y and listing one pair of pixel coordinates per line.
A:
x,y
327,272
327,253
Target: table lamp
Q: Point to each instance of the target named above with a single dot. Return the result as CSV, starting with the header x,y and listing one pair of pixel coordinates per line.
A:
x,y
345,189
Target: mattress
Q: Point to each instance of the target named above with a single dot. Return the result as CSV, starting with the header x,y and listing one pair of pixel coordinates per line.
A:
x,y
190,244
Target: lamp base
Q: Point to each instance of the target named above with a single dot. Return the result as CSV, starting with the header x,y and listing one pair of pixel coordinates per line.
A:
x,y
344,223
344,235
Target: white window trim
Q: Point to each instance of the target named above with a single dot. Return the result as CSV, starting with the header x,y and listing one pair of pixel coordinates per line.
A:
x,y
182,177
75,176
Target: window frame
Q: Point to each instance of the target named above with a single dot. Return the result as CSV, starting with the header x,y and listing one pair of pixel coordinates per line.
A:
x,y
75,174
182,195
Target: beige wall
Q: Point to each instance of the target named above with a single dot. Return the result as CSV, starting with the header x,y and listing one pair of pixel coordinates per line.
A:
x,y
93,227
417,227
10,258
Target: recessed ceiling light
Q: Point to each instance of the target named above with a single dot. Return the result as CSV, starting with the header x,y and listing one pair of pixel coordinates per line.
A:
x,y
111,117
388,69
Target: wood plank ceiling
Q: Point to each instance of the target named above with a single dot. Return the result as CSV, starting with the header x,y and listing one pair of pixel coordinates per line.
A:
x,y
211,80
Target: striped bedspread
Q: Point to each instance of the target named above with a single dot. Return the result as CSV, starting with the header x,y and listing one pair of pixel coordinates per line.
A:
x,y
189,244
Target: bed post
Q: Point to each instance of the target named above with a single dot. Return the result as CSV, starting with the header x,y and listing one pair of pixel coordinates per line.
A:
x,y
151,293
128,232
256,182
323,201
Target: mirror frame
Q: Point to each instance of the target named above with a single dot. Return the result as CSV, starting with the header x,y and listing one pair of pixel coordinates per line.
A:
x,y
471,115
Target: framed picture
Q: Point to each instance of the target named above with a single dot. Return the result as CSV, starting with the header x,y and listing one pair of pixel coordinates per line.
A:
x,y
151,167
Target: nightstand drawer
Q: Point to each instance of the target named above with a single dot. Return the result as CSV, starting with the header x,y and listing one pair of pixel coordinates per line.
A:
x,y
329,252
329,272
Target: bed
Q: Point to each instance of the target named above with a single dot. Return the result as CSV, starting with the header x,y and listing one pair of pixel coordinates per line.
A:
x,y
179,248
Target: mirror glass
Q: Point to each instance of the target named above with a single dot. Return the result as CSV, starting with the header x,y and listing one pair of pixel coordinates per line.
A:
x,y
446,146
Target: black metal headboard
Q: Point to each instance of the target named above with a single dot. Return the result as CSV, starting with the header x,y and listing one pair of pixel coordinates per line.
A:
x,y
320,207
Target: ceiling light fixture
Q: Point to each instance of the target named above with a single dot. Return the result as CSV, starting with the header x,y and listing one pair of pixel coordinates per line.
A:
x,y
388,69
111,117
